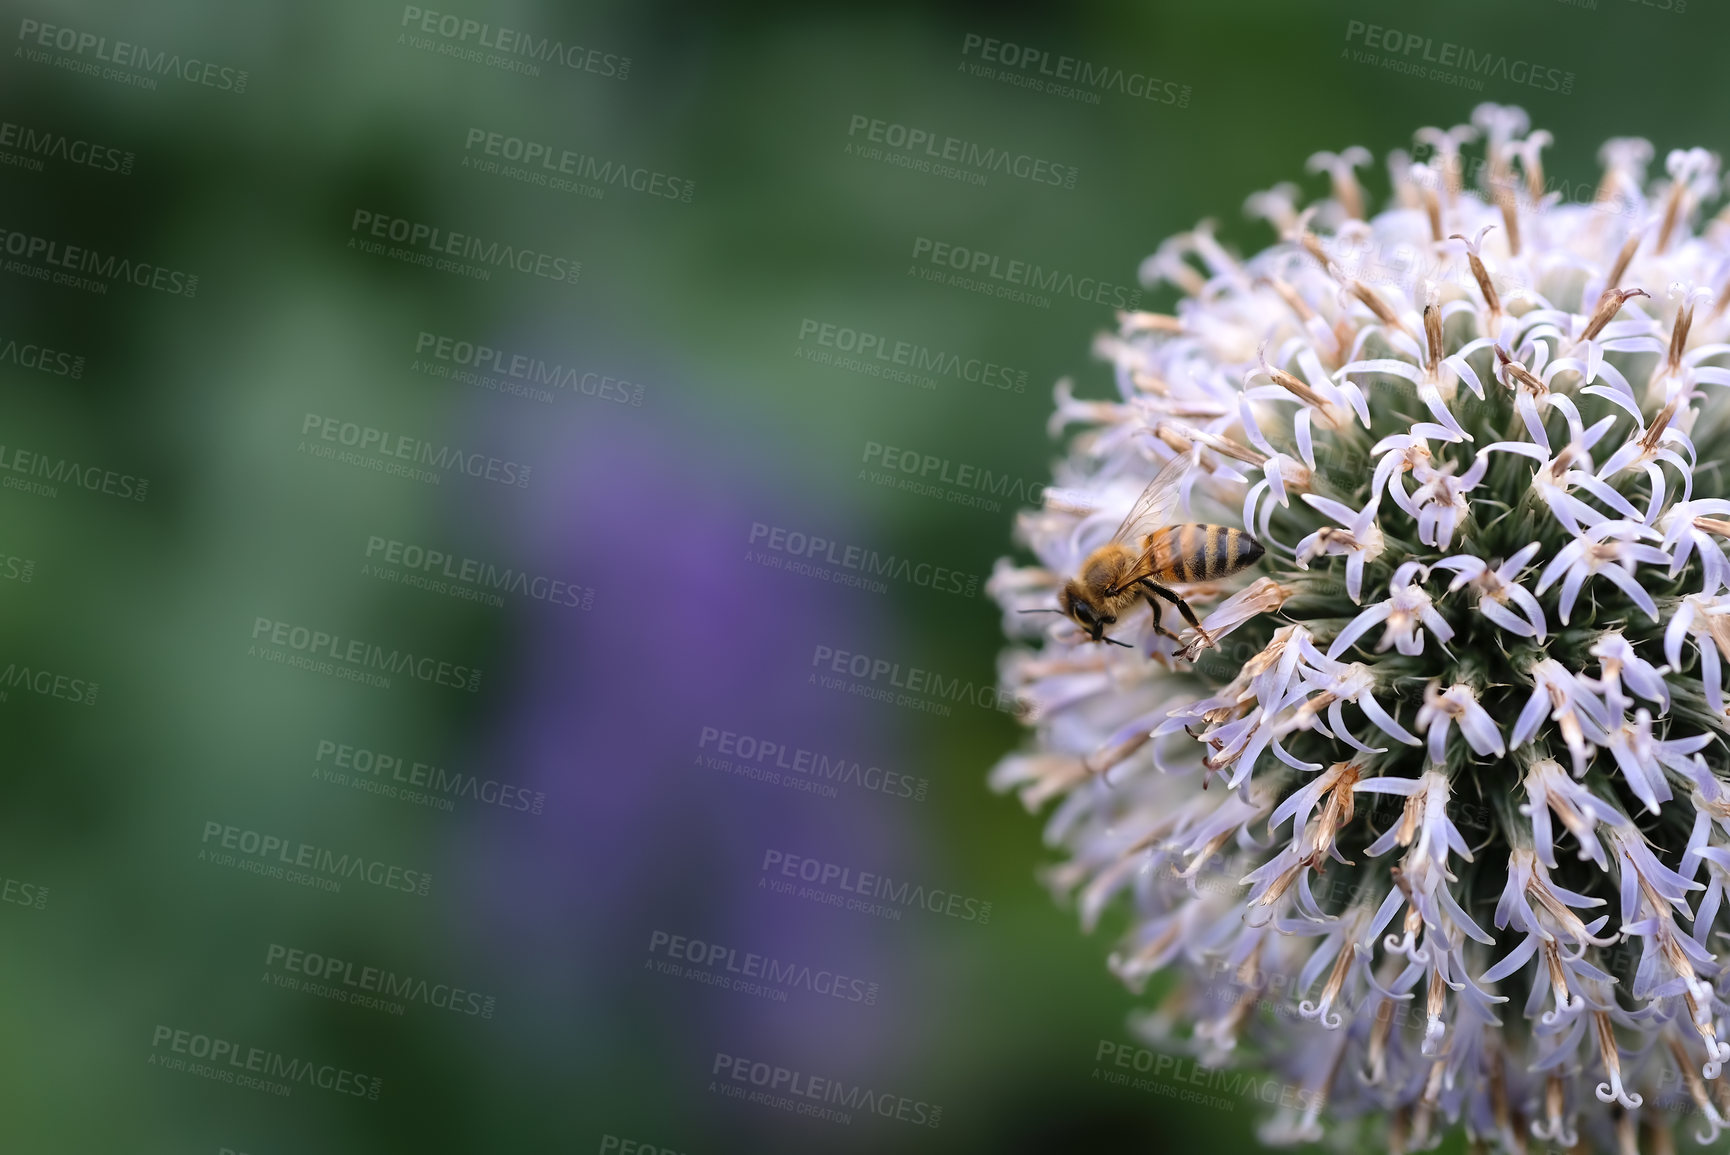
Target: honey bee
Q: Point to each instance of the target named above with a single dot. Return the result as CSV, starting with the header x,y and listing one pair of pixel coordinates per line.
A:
x,y
1144,553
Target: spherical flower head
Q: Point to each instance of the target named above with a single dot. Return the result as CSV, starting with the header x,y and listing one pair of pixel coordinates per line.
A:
x,y
1427,811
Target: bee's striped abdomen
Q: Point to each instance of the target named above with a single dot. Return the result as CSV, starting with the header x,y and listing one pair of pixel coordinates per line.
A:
x,y
1194,553
1230,550
1192,543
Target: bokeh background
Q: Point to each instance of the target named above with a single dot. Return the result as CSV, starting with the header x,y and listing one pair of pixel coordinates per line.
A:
x,y
700,420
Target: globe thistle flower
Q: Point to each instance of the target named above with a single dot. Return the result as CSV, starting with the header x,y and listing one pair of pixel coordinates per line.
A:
x,y
1431,815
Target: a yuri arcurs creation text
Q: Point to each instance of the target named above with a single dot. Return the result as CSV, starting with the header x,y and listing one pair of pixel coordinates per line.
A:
x,y
1431,815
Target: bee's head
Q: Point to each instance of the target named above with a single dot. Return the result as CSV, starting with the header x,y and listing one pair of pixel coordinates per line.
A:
x,y
1084,611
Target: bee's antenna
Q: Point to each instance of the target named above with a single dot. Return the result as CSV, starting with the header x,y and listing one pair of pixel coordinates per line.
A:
x,y
1038,611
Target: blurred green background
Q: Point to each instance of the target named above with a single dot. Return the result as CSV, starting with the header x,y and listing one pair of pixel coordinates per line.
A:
x,y
655,498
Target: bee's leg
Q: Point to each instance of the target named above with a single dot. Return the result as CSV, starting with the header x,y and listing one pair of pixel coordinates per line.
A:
x,y
1158,626
1182,606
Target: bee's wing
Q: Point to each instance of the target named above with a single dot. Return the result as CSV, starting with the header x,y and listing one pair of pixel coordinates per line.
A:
x,y
1152,509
